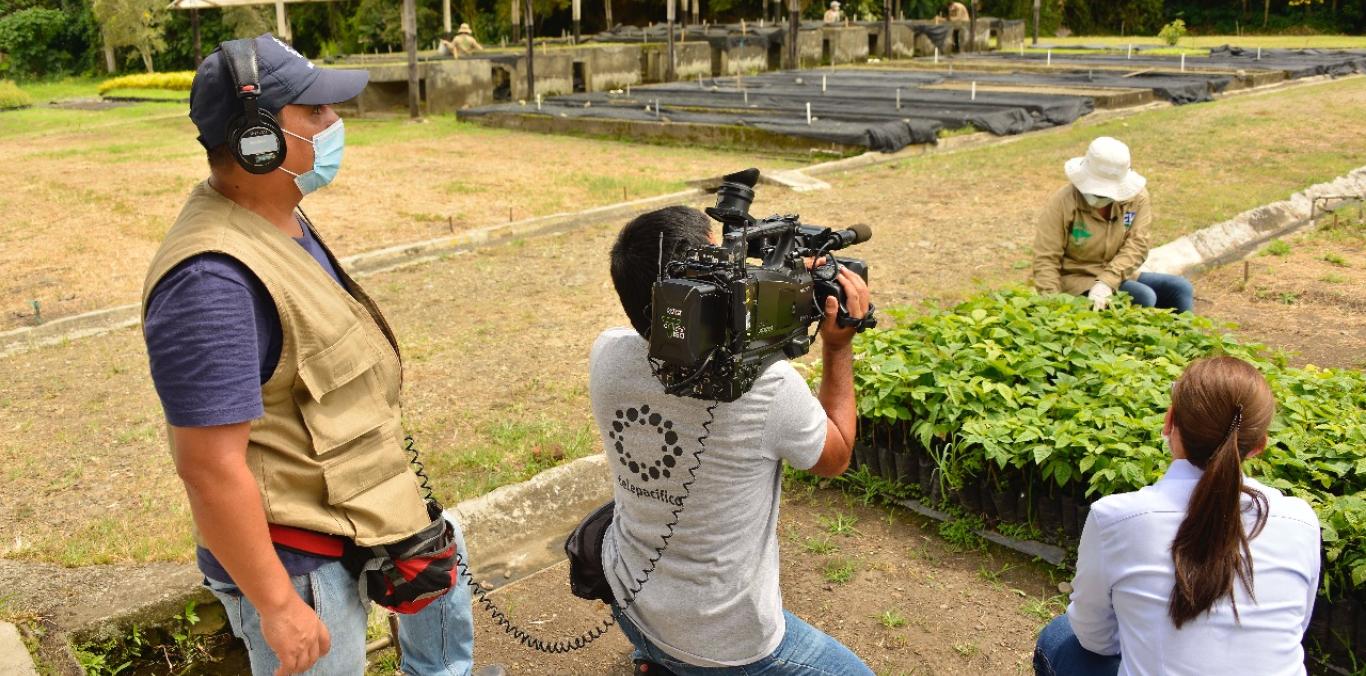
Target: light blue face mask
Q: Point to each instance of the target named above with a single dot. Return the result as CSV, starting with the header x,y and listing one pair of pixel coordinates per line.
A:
x,y
327,157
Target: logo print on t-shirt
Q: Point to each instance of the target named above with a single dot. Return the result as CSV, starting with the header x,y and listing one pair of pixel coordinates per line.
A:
x,y
664,435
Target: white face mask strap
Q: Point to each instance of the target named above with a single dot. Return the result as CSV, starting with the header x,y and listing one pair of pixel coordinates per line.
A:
x,y
309,141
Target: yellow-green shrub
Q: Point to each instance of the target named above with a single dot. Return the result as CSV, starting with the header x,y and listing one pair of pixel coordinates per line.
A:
x,y
11,96
178,81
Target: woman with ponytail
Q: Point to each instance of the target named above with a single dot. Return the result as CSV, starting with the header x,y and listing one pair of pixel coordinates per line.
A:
x,y
1206,571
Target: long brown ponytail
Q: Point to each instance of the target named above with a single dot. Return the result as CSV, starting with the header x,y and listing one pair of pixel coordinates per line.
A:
x,y
1221,407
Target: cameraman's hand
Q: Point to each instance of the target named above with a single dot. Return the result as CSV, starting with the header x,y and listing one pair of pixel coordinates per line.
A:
x,y
833,335
296,634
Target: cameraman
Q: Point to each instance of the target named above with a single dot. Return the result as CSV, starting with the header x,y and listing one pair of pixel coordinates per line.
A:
x,y
712,605
280,381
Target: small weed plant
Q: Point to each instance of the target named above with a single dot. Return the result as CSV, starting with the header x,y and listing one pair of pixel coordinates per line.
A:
x,y
821,545
839,571
1277,247
840,524
961,533
178,81
892,619
1335,259
11,96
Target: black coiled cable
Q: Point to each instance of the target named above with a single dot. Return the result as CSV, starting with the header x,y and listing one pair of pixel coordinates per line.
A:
x,y
521,635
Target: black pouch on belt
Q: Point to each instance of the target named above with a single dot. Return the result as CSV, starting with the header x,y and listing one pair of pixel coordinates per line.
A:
x,y
587,580
407,575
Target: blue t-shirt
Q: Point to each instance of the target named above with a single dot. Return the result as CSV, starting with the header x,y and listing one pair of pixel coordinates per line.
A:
x,y
213,338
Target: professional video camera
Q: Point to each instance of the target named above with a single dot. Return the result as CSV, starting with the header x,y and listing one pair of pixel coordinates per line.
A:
x,y
719,319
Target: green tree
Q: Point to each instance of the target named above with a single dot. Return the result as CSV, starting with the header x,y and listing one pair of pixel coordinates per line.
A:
x,y
134,23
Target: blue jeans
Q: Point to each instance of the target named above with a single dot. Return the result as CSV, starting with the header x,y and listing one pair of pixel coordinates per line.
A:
x,y
439,640
804,650
1154,289
1059,653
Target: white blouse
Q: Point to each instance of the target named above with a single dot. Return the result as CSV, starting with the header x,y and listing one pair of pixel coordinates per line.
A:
x,y
1125,576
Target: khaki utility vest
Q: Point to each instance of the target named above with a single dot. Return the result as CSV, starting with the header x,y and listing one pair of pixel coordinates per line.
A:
x,y
327,455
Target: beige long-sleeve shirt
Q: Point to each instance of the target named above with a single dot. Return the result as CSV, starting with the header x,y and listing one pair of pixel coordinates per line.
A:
x,y
1075,246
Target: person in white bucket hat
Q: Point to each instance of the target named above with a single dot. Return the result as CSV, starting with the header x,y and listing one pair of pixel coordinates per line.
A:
x,y
1093,234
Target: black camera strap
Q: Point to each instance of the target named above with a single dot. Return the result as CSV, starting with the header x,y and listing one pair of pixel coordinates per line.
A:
x,y
526,638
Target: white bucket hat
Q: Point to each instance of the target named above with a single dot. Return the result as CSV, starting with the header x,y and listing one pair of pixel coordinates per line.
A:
x,y
1105,171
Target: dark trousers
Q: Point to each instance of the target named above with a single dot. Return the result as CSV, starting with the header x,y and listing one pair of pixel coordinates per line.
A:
x,y
1059,653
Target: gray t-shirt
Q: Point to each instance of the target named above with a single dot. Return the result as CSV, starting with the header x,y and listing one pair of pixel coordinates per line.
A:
x,y
713,598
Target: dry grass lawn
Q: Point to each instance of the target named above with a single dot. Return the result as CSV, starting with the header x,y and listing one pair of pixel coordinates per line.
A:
x,y
88,194
496,342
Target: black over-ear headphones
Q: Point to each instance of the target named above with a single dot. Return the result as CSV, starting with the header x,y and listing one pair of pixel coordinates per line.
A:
x,y
254,137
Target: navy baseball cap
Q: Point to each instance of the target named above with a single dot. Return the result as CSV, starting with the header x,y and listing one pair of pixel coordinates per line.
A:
x,y
286,77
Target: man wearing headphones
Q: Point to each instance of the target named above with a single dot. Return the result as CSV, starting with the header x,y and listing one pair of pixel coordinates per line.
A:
x,y
280,381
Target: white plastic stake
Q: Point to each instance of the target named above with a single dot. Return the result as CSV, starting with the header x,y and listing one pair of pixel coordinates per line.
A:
x,y
628,89
898,98
822,84
746,93
656,109
974,91
1131,51
936,56
1050,57
1259,53
538,102
1183,63
808,112
699,82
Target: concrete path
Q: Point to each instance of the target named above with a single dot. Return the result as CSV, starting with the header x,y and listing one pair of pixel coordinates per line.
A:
x,y
14,657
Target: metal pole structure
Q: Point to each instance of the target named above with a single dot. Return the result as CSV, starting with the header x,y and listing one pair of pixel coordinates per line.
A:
x,y
578,16
1036,23
410,45
972,26
530,27
669,72
794,7
515,16
282,22
887,28
446,16
607,9
198,49
696,12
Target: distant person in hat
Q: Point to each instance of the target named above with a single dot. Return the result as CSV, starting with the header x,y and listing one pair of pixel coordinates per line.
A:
x,y
1093,235
462,43
280,381
833,14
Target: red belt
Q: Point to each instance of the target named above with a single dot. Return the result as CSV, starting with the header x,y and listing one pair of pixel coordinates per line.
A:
x,y
307,541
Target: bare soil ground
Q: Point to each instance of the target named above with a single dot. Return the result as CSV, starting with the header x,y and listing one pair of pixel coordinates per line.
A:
x,y
87,194
912,603
1305,295
496,341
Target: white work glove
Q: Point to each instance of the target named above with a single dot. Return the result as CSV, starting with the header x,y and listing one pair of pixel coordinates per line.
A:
x,y
1100,295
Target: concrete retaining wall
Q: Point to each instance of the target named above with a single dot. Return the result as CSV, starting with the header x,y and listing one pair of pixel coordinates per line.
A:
x,y
844,45
458,84
739,59
608,67
690,60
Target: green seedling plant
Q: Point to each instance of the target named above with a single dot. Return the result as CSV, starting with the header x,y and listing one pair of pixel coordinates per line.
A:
x,y
1044,390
